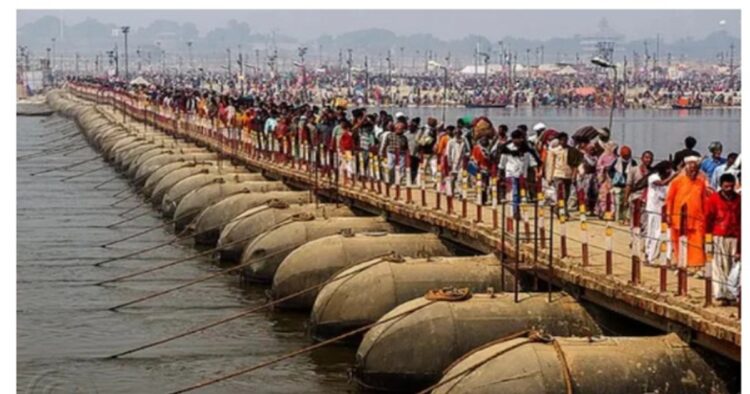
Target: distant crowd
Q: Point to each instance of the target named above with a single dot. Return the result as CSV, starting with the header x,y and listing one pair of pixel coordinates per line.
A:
x,y
584,89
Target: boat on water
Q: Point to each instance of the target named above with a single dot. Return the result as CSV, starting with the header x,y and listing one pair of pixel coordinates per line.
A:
x,y
686,103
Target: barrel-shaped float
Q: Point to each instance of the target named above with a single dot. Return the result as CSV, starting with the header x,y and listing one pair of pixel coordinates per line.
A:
x,y
316,262
616,365
373,288
155,163
146,161
263,256
412,351
125,157
148,186
201,167
208,224
198,200
176,193
256,221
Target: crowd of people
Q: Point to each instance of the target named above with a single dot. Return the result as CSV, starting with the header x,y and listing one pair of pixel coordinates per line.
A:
x,y
586,89
693,194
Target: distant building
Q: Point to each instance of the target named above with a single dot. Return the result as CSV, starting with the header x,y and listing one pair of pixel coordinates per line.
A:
x,y
602,43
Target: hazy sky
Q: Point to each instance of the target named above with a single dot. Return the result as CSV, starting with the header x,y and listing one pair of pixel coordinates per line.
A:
x,y
448,24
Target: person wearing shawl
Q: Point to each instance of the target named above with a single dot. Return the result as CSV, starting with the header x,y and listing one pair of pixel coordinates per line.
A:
x,y
515,160
480,155
282,134
482,127
346,149
605,200
687,193
395,149
426,142
441,149
713,160
562,160
463,126
454,158
586,182
618,174
411,137
727,167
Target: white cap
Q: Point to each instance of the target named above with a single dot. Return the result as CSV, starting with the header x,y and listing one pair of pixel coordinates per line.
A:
x,y
398,115
539,127
691,159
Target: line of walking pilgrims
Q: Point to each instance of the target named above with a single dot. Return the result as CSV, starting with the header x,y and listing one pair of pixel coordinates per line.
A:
x,y
695,196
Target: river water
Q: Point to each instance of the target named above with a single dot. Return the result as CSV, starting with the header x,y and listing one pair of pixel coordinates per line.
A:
x,y
65,330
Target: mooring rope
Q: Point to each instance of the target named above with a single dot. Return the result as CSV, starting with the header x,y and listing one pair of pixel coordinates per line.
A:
x,y
533,336
303,350
66,166
239,314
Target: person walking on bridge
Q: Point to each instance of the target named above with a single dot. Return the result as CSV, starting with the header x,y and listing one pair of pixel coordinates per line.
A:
x,y
723,218
686,203
655,193
713,159
727,167
454,155
515,160
395,149
562,160
633,197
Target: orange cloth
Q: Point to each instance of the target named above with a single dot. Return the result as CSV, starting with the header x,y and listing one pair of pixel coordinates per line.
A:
x,y
202,108
691,193
477,153
695,252
442,144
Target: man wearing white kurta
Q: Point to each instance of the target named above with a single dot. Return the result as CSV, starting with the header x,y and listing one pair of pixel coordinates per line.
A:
x,y
655,196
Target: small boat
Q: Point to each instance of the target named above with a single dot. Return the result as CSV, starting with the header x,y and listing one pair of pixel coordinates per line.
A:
x,y
685,103
469,105
692,106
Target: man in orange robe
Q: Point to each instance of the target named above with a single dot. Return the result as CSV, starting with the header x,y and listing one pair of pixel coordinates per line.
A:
x,y
688,190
